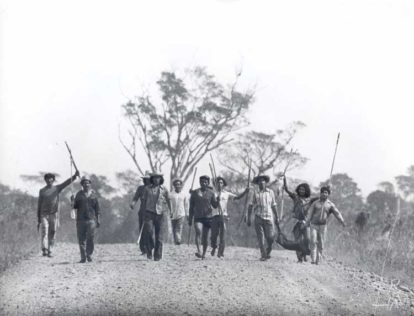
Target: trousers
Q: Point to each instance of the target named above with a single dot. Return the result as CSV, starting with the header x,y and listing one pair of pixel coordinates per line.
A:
x,y
265,235
86,237
218,229
153,226
48,224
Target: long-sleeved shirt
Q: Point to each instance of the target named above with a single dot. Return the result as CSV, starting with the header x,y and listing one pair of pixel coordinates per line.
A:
x,y
48,202
319,212
179,204
224,197
87,207
202,203
263,202
155,199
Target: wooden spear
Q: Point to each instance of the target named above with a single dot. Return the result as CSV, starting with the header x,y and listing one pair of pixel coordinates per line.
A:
x,y
333,160
189,227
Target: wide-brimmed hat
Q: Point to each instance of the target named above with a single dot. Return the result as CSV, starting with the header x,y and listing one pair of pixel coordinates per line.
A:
x,y
49,175
256,179
85,179
177,180
156,174
147,175
222,179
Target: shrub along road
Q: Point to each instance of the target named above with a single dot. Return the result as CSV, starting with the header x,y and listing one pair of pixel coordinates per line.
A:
x,y
121,282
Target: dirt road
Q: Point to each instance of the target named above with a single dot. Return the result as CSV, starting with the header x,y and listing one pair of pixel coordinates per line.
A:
x,y
121,282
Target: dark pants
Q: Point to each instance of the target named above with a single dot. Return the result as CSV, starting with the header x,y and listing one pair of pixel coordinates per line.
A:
x,y
218,228
301,236
265,234
142,246
153,224
86,234
177,229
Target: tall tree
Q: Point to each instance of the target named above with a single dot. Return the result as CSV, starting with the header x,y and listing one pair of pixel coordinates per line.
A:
x,y
193,115
405,183
269,152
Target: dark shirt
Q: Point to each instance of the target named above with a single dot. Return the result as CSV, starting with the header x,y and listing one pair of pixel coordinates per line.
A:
x,y
87,206
155,199
48,202
202,203
139,195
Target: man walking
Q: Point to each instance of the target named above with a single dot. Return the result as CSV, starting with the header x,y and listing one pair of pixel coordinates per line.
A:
x,y
139,195
220,216
179,209
156,203
317,218
202,202
87,219
47,210
263,204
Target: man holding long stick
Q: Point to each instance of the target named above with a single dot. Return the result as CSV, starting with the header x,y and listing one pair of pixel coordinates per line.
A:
x,y
220,216
202,202
47,210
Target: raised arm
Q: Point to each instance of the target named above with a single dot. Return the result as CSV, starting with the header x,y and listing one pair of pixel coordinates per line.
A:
x,y
68,181
238,197
291,194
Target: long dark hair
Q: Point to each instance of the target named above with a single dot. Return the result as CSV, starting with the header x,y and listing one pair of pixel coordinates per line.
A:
x,y
307,189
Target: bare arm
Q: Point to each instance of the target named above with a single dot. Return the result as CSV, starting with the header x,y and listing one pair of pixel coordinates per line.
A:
x,y
337,214
67,182
291,194
238,197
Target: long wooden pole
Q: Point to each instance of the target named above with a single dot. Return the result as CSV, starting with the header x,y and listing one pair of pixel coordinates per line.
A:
x,y
247,195
189,227
333,160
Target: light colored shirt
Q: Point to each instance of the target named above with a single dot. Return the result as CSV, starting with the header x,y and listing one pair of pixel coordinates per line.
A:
x,y
179,204
222,208
262,202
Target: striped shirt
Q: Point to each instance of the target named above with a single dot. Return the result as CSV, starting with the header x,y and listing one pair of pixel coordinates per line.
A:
x,y
262,202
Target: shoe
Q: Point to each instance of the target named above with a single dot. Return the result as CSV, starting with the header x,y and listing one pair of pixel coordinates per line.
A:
x,y
49,255
198,255
157,259
82,261
44,252
213,251
263,259
149,256
89,258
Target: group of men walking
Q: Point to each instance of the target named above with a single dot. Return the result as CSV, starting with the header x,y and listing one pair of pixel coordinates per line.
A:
x,y
206,208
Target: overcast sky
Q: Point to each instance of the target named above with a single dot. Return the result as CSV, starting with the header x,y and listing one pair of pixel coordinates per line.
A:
x,y
338,66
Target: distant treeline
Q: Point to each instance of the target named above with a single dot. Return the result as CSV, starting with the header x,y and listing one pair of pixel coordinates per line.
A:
x,y
377,230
